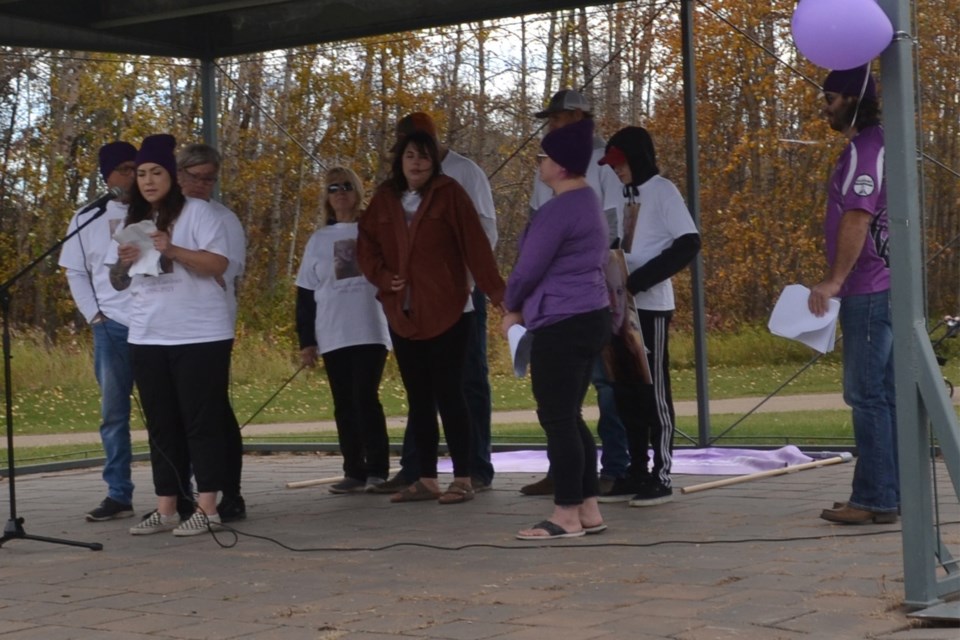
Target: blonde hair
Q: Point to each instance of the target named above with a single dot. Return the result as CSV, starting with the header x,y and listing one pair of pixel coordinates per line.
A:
x,y
337,174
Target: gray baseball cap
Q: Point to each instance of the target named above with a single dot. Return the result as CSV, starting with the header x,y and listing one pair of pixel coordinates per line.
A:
x,y
565,100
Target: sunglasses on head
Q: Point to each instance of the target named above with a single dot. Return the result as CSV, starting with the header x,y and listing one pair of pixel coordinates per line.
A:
x,y
339,186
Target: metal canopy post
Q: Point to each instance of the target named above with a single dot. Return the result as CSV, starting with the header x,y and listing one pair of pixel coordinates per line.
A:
x,y
208,109
922,399
208,97
693,203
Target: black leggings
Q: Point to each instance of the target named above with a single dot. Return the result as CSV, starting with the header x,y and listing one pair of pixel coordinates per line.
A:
x,y
562,358
432,372
354,374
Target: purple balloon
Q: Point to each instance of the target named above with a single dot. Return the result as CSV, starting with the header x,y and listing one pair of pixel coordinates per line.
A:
x,y
841,34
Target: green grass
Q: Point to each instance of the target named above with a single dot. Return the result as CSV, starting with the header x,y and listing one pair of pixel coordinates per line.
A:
x,y
801,427
55,392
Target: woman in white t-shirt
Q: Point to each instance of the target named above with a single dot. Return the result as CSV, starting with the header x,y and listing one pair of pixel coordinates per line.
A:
x,y
180,337
339,318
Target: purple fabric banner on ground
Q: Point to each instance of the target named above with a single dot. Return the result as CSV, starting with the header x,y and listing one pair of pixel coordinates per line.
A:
x,y
711,461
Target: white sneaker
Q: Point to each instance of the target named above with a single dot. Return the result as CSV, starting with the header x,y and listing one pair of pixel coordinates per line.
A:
x,y
197,524
155,523
372,483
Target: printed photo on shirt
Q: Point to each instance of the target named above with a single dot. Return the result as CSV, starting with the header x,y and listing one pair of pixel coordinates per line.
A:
x,y
345,259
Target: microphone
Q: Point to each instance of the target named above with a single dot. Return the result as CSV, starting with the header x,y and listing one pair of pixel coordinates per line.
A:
x,y
101,201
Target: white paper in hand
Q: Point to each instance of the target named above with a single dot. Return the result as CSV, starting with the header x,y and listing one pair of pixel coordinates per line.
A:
x,y
520,342
139,234
791,318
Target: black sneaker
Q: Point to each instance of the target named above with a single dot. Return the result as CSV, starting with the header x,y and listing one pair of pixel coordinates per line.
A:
x,y
232,508
110,509
652,493
621,490
479,486
349,485
542,487
393,485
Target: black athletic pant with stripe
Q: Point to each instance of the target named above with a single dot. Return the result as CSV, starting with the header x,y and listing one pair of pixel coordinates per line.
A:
x,y
646,410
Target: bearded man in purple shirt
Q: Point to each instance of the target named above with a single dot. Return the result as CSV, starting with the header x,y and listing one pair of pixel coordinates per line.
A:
x,y
859,274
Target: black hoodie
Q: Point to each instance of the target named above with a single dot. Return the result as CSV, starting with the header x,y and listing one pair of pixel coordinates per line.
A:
x,y
637,146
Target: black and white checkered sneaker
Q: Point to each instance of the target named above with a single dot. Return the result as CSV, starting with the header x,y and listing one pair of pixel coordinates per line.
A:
x,y
197,524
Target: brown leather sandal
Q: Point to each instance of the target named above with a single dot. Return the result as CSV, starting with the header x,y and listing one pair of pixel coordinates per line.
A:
x,y
456,493
417,492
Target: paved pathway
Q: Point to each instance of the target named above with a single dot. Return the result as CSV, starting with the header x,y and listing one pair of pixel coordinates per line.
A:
x,y
749,561
737,406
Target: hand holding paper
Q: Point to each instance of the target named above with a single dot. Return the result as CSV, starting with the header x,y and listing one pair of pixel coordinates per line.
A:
x,y
139,234
791,318
520,342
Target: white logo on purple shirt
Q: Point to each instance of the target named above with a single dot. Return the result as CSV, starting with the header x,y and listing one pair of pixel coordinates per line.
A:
x,y
863,185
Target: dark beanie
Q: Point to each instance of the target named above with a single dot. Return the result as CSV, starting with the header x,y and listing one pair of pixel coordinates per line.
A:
x,y
849,82
159,150
113,154
571,146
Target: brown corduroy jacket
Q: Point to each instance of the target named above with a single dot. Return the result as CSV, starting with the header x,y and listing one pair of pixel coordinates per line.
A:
x,y
434,254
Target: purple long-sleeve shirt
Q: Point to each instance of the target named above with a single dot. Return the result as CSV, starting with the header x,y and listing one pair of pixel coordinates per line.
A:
x,y
559,270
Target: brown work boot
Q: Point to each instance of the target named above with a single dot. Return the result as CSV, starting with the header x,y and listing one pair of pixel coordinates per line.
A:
x,y
851,515
542,487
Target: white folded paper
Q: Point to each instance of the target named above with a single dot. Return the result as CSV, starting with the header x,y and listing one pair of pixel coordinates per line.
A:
x,y
139,234
791,318
520,342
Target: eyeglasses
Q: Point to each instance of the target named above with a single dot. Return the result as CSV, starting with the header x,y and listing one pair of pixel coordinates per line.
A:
x,y
339,186
196,177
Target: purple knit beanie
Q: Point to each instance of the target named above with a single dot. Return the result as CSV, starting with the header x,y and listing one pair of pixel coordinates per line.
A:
x,y
571,146
159,150
113,154
850,82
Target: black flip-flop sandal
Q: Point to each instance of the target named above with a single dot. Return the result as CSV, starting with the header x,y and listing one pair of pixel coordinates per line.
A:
x,y
595,529
553,531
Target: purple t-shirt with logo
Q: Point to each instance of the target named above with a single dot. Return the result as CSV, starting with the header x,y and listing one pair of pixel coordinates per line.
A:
x,y
857,183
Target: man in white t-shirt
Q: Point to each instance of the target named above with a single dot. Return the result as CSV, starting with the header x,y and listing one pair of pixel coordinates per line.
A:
x,y
661,239
106,309
476,381
566,107
198,166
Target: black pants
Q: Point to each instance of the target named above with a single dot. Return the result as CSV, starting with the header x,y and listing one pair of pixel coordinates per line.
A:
x,y
354,374
232,449
647,409
432,372
562,358
182,389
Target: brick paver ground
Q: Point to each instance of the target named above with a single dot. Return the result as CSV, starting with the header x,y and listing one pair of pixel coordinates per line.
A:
x,y
748,561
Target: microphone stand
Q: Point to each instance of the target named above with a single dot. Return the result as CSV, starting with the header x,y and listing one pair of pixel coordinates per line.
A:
x,y
14,530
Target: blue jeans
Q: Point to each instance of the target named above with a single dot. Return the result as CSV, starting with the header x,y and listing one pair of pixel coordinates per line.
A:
x,y
614,452
868,387
111,362
476,389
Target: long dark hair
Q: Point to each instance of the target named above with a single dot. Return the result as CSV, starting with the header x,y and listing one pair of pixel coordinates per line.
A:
x,y
868,114
422,142
168,209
